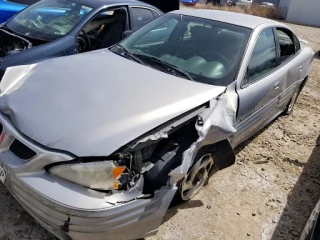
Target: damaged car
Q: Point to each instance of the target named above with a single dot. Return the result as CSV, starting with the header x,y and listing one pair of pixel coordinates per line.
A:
x,y
97,145
56,28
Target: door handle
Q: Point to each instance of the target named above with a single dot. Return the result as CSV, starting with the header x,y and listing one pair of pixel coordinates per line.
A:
x,y
276,85
300,68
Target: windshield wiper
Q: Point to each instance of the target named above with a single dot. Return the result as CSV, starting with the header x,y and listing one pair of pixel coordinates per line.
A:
x,y
129,54
173,69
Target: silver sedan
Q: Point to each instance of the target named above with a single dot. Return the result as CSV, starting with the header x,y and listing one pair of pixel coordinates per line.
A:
x,y
97,145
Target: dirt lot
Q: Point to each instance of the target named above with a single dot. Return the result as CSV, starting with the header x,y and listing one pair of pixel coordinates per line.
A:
x,y
267,194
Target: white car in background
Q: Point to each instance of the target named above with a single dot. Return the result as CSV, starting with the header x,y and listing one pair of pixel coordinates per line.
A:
x,y
244,3
267,4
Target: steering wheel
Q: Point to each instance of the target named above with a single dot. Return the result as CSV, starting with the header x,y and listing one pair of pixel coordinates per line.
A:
x,y
83,42
30,23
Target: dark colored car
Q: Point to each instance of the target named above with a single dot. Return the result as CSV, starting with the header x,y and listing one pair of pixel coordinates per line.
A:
x,y
56,28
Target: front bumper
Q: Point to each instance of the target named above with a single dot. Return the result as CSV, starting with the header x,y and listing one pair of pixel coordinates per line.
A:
x,y
70,211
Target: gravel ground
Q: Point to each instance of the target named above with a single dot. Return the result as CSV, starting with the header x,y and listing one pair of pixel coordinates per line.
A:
x,y
267,194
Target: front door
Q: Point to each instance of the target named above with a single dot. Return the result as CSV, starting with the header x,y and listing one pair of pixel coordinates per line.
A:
x,y
258,95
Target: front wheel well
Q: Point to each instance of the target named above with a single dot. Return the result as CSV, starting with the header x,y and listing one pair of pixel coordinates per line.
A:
x,y
224,155
169,155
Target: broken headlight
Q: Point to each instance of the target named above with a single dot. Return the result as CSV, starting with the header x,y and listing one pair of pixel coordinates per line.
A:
x,y
102,175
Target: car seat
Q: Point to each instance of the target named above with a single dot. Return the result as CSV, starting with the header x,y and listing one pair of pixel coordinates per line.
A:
x,y
113,31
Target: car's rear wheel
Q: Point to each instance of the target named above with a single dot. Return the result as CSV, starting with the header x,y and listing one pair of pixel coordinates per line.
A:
x,y
197,176
290,106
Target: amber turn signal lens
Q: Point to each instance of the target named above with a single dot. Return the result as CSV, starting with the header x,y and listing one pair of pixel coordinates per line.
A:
x,y
117,171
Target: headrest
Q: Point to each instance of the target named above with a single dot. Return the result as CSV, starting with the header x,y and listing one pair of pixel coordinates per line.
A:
x,y
119,15
203,34
228,37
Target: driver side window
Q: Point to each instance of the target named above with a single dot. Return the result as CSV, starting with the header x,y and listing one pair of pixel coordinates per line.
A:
x,y
263,58
104,30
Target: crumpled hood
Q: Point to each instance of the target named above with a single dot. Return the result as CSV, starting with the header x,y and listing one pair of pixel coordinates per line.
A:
x,y
92,104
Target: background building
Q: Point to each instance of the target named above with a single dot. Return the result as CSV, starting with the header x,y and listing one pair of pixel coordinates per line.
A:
x,y
306,12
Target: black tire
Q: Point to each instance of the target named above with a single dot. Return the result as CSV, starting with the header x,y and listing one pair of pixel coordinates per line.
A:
x,y
293,100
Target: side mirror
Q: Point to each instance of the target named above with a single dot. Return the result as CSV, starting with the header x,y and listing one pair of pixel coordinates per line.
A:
x,y
127,33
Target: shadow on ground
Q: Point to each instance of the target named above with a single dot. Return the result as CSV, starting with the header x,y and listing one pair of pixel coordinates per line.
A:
x,y
173,210
301,199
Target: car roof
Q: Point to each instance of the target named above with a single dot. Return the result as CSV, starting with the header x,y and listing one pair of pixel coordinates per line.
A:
x,y
239,19
100,3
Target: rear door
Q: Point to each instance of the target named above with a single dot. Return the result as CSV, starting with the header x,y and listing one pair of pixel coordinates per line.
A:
x,y
291,63
260,88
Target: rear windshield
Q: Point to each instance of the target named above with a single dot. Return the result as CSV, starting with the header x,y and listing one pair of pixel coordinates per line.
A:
x,y
24,2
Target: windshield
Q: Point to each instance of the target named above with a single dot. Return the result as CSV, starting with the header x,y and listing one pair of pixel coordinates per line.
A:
x,y
209,51
48,19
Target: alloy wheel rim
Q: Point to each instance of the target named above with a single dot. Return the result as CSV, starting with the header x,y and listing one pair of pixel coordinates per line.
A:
x,y
196,177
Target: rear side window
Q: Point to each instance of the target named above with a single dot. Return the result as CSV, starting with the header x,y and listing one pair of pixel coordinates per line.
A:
x,y
141,17
263,58
286,42
296,43
24,2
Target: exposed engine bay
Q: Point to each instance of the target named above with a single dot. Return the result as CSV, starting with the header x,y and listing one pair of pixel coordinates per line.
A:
x,y
145,159
11,43
152,160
